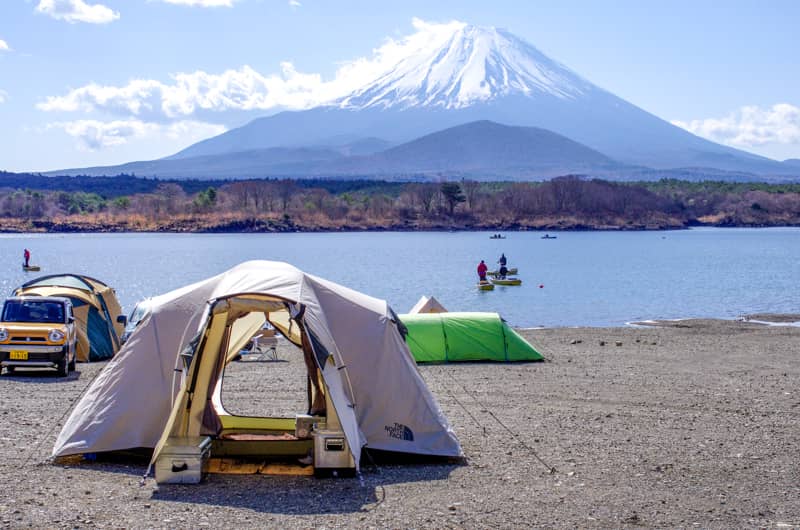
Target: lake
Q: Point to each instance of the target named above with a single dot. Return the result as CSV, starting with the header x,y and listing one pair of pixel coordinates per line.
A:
x,y
586,278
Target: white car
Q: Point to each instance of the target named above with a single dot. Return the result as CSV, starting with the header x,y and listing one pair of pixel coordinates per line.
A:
x,y
139,313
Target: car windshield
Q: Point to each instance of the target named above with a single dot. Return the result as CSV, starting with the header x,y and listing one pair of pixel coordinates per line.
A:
x,y
33,311
138,314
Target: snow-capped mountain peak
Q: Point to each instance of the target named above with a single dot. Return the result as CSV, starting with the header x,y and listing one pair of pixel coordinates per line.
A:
x,y
455,65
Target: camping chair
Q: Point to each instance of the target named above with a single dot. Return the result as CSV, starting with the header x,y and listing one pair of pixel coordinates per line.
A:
x,y
264,345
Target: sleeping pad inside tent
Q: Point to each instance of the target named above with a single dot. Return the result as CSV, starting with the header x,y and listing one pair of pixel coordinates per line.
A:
x,y
445,337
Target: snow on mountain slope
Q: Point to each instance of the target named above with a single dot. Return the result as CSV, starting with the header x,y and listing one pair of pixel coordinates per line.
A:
x,y
455,65
446,75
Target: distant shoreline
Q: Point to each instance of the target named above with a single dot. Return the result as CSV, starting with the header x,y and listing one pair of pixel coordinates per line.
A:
x,y
239,226
754,319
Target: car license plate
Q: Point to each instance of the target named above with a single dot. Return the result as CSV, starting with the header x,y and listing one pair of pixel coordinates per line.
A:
x,y
18,355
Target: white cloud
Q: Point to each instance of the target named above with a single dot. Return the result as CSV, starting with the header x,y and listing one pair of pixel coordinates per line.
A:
x,y
295,3
137,97
3,96
750,126
73,11
202,3
245,88
242,89
93,135
4,46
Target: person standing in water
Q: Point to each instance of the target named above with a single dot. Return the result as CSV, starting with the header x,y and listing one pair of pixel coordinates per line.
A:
x,y
27,256
502,261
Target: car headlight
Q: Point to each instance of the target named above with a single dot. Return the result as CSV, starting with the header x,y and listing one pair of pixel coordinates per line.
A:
x,y
56,335
3,334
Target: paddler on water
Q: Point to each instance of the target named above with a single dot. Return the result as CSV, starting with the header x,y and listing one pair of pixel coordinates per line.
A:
x,y
27,257
482,268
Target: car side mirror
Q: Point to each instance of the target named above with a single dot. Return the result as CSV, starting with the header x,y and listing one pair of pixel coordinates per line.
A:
x,y
122,319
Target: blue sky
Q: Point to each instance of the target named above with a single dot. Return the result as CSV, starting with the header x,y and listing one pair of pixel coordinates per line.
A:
x,y
96,82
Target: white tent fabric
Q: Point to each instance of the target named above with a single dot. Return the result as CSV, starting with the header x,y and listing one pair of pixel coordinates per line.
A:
x,y
129,402
373,382
427,304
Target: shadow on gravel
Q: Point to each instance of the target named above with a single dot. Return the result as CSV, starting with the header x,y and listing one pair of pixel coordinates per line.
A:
x,y
271,493
131,462
300,495
40,376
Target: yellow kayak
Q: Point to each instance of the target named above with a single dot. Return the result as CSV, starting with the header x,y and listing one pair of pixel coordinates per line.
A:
x,y
485,286
510,271
507,281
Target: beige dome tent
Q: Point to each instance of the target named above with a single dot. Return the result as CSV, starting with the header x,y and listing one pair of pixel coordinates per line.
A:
x,y
95,307
352,341
427,304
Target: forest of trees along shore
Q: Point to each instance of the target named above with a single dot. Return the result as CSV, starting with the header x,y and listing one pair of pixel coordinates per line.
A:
x,y
568,203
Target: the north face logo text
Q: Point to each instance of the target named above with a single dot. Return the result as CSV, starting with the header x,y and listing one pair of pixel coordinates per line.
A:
x,y
400,431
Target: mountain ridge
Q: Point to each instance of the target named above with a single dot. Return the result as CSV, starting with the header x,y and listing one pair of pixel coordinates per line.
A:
x,y
474,148
461,74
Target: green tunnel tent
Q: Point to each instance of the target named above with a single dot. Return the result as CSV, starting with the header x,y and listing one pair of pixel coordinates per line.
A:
x,y
468,336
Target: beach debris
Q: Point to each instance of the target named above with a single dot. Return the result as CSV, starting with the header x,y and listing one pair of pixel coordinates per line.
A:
x,y
618,343
575,341
602,343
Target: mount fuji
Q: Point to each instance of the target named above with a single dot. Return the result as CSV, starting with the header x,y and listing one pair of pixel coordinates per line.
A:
x,y
460,75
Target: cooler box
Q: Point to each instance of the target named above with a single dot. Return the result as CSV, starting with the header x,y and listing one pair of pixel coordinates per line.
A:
x,y
304,426
331,451
181,460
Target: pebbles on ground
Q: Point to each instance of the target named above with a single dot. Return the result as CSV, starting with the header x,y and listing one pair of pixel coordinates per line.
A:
x,y
674,426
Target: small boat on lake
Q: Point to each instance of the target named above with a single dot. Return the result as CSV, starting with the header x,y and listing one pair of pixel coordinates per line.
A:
x,y
485,285
548,236
506,281
511,272
497,236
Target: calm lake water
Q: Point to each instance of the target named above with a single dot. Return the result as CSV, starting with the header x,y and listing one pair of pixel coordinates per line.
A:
x,y
588,278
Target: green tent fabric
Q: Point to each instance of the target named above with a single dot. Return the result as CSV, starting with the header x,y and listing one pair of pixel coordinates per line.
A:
x,y
444,337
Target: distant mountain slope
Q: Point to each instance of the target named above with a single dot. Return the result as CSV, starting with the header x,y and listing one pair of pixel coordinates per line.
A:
x,y
482,147
478,148
254,163
463,74
475,73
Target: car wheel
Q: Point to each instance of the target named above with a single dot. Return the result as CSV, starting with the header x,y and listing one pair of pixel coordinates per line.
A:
x,y
63,367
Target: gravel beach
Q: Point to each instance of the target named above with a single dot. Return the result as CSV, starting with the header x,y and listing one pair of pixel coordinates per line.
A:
x,y
672,424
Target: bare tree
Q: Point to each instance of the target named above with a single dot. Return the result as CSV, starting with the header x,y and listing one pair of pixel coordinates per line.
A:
x,y
470,188
286,189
